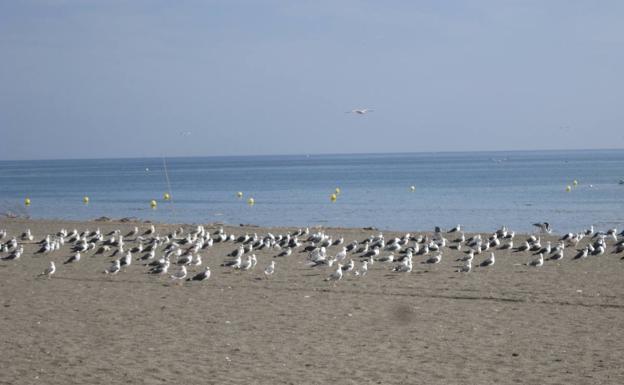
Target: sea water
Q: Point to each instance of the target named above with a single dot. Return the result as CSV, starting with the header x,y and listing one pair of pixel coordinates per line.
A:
x,y
480,190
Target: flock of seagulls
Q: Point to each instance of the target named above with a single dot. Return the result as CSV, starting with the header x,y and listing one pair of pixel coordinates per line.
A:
x,y
177,255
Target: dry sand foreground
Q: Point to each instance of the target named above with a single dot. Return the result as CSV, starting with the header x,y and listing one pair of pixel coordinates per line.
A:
x,y
559,324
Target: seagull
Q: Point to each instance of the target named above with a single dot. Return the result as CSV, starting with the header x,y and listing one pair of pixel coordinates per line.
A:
x,y
538,262
506,246
489,261
467,258
543,227
248,264
201,276
558,255
160,269
270,269
405,267
360,111
466,268
364,269
590,230
126,260
342,254
235,263
285,253
349,267
114,268
180,274
435,259
134,232
73,258
49,271
387,258
336,275
185,260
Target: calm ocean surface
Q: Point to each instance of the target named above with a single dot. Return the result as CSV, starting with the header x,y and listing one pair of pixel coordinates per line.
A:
x,y
482,190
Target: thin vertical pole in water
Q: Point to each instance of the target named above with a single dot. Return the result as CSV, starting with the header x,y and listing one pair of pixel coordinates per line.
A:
x,y
169,189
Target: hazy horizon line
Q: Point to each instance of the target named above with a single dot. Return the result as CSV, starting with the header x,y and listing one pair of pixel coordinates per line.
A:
x,y
318,154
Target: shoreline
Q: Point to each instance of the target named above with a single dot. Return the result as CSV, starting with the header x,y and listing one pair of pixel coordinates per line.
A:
x,y
139,221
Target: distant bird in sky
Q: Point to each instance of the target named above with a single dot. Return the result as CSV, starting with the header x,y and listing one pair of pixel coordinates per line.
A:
x,y
360,111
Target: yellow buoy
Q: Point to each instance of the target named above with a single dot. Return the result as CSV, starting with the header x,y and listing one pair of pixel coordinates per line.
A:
x,y
575,182
27,201
337,190
568,188
85,200
412,188
239,194
153,203
251,201
166,196
333,197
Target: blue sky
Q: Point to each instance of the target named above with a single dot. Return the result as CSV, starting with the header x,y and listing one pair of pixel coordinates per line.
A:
x,y
92,79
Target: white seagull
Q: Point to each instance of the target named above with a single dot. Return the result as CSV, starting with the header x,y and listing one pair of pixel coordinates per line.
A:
x,y
466,268
201,276
489,261
270,269
537,262
73,258
114,268
360,111
49,271
180,274
336,275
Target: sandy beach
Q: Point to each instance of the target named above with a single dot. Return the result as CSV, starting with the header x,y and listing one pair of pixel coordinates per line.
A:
x,y
505,324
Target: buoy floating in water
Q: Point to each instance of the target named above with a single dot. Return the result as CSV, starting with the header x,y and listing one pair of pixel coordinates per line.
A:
x,y
333,197
27,201
337,191
575,182
85,200
412,188
167,196
153,203
568,188
251,201
239,194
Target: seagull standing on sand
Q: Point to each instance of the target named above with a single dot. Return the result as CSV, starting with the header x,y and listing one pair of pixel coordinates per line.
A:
x,y
466,268
201,276
270,269
180,274
435,259
73,258
247,264
489,261
114,268
538,262
235,263
336,275
364,269
49,271
341,255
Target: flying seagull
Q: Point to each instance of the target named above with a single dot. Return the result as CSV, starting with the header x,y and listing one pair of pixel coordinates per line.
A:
x,y
543,227
360,111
